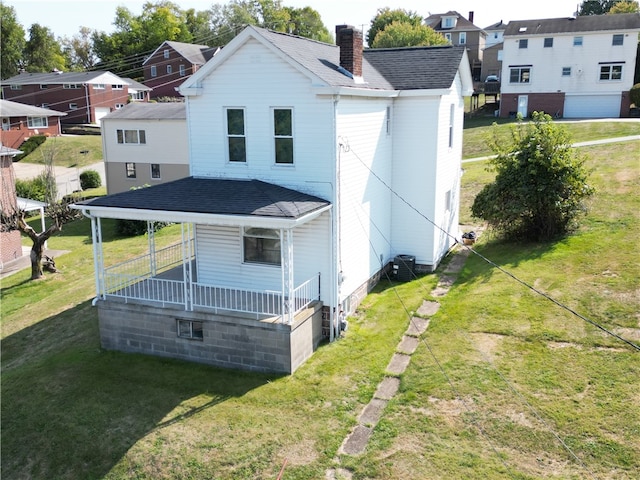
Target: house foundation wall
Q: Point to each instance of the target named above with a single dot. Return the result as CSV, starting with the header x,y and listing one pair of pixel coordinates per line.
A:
x,y
228,341
551,103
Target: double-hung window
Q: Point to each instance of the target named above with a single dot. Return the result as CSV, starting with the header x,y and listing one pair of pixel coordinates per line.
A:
x,y
236,139
462,38
155,171
183,70
283,133
520,74
154,71
523,43
169,69
548,42
618,39
136,137
130,168
611,71
261,245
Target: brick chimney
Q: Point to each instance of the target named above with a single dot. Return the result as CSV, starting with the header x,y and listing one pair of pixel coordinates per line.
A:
x,y
471,16
349,39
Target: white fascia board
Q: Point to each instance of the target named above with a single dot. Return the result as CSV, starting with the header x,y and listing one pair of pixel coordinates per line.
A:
x,y
199,218
355,92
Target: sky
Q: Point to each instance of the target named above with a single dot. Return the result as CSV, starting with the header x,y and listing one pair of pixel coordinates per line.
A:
x,y
65,17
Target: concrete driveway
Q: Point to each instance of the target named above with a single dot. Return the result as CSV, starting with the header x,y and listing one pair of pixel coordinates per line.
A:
x,y
67,179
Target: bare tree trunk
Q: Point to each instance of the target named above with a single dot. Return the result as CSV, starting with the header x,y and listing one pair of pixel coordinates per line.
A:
x,y
36,258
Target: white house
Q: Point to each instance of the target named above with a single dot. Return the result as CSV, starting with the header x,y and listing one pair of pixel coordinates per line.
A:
x,y
573,67
313,167
145,144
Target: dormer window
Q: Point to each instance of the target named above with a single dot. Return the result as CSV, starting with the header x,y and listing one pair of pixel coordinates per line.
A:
x,y
448,22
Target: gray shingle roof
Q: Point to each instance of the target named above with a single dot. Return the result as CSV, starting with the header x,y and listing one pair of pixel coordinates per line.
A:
x,y
54,78
16,109
408,68
581,24
195,54
150,111
217,197
462,24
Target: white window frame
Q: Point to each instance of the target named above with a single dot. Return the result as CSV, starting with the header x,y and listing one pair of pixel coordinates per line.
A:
x,y
15,86
521,70
617,39
230,136
190,329
452,111
117,87
99,86
37,122
130,170
165,53
578,41
71,86
183,70
131,137
73,106
462,38
447,36
283,136
613,71
260,235
119,106
448,22
44,86
154,71
523,43
169,69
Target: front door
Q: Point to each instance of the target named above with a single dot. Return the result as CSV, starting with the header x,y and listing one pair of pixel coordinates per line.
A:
x,y
523,101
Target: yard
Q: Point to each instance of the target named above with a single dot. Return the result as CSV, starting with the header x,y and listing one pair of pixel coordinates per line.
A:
x,y
505,383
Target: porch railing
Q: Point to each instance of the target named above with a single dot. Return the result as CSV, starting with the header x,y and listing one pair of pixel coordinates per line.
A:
x,y
158,279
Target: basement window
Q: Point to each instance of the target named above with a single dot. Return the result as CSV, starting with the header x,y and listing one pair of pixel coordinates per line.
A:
x,y
190,329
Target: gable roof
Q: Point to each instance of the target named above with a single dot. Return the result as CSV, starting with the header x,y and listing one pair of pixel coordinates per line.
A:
x,y
150,111
136,86
192,52
55,78
215,196
410,68
16,109
462,24
580,24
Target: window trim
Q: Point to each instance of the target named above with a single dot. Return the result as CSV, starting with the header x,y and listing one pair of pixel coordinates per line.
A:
x,y
153,71
130,170
183,70
73,106
462,38
276,137
191,333
452,111
117,86
169,69
44,122
15,86
44,86
523,43
617,36
71,86
263,234
521,69
99,86
165,53
229,136
548,42
566,71
611,66
151,171
122,136
578,41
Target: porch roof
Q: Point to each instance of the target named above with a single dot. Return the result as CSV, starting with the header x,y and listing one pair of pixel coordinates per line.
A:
x,y
211,201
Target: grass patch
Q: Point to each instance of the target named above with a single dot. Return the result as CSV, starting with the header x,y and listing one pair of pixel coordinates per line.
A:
x,y
71,410
68,150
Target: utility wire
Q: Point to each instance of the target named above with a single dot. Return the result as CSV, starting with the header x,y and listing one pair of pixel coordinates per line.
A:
x,y
501,269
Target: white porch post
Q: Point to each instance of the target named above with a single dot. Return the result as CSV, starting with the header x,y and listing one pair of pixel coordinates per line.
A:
x,y
98,256
151,238
288,287
186,266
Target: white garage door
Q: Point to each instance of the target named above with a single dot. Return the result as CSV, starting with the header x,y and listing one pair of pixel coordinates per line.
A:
x,y
592,106
101,112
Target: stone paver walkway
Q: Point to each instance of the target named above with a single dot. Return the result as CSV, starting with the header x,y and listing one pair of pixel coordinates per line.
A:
x,y
356,442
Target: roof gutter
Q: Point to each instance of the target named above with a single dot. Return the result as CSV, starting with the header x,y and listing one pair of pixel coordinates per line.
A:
x,y
199,218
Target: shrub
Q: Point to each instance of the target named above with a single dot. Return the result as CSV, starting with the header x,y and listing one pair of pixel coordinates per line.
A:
x,y
90,179
34,189
30,145
133,228
634,95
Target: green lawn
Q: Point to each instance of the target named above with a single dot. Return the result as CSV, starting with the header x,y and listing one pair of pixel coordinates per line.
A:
x,y
502,379
69,151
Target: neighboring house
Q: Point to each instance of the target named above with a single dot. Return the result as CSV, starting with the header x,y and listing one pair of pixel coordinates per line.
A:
x,y
145,144
492,54
572,67
85,97
461,32
20,121
10,242
137,91
314,168
172,63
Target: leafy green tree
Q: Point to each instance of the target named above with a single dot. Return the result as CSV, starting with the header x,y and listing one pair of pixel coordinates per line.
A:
x,y
42,51
306,22
12,42
625,6
78,50
198,24
596,7
541,183
230,18
385,17
400,34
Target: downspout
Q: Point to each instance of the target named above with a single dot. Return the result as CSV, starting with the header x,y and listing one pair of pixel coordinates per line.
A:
x,y
335,217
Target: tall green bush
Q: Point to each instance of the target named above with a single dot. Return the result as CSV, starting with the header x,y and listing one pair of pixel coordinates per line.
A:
x,y
35,188
634,94
30,145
